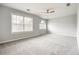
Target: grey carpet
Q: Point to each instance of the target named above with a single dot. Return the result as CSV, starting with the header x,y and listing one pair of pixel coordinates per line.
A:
x,y
43,45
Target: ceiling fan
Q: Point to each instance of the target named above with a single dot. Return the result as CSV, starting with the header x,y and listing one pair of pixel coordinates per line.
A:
x,y
48,11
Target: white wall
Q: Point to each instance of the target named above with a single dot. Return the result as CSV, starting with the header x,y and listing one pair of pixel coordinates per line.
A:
x,y
5,25
66,25
78,26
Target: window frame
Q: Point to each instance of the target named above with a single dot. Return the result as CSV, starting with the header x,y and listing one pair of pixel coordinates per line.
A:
x,y
43,25
14,32
29,23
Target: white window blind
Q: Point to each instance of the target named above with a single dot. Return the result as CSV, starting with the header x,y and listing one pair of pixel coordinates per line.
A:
x,y
21,24
42,24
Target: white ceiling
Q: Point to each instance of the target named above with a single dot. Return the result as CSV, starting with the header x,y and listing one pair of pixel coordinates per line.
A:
x,y
36,8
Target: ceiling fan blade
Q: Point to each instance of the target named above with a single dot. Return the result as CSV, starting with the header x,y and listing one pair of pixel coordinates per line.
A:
x,y
43,12
52,11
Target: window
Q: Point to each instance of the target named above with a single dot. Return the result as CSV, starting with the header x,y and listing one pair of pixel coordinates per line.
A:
x,y
42,24
21,24
28,24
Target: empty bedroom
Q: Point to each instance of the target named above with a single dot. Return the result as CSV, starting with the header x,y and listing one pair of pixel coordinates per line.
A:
x,y
39,29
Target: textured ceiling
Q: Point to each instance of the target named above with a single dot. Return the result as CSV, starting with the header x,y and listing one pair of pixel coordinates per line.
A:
x,y
36,8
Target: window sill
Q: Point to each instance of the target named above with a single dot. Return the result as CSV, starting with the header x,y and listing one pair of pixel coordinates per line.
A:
x,y
22,32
